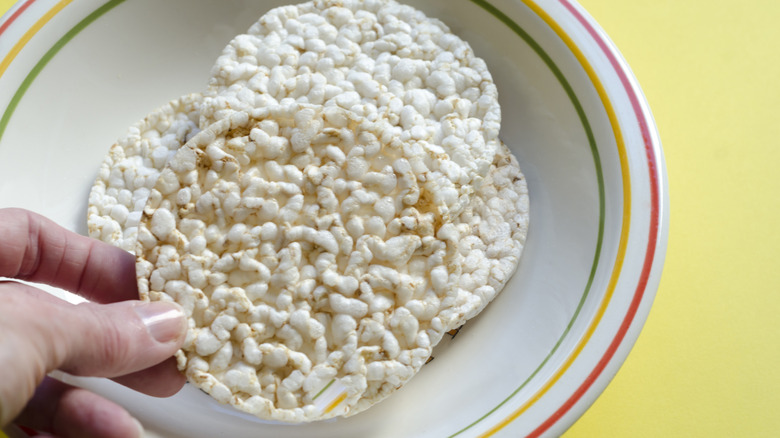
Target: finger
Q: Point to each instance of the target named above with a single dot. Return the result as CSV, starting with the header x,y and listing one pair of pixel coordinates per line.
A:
x,y
41,333
89,339
121,338
66,411
39,250
161,380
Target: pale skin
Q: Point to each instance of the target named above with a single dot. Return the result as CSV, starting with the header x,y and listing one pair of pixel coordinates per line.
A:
x,y
114,335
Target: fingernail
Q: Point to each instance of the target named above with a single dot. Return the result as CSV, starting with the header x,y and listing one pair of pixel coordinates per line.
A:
x,y
165,321
140,428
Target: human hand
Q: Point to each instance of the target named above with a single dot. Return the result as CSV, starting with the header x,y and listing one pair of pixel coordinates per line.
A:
x,y
114,336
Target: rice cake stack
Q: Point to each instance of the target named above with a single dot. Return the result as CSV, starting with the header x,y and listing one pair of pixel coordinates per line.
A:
x,y
343,203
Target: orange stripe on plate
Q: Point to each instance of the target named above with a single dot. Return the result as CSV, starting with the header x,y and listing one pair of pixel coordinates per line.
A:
x,y
336,402
29,34
623,233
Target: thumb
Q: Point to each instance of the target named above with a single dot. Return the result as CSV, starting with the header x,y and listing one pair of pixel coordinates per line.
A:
x,y
109,340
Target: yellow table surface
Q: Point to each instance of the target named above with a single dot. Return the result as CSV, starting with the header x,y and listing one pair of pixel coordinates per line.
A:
x,y
706,363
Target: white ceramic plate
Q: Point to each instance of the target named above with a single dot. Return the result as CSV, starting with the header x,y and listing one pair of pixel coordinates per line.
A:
x,y
74,75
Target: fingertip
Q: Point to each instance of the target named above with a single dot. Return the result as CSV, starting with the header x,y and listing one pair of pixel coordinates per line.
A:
x,y
110,340
165,321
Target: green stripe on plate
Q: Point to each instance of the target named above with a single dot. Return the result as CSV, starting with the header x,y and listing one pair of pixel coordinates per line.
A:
x,y
36,70
323,389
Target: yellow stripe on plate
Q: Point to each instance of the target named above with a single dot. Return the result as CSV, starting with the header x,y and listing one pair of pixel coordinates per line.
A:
x,y
336,402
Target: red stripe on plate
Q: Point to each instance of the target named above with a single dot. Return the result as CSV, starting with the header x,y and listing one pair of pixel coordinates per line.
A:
x,y
15,15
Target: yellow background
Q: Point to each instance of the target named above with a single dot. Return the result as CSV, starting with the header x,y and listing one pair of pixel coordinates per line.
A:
x,y
706,364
